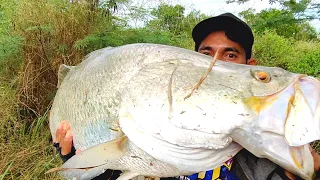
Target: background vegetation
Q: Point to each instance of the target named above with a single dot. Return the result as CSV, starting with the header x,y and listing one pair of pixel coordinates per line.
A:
x,y
36,36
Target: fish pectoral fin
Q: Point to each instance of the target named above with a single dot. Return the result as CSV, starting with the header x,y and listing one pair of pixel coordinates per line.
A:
x,y
58,169
127,175
80,173
62,73
105,154
93,161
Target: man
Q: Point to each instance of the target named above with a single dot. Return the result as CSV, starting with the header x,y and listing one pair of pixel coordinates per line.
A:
x,y
234,39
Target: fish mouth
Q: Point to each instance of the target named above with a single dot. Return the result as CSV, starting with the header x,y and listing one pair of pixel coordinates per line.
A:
x,y
302,125
288,121
297,160
293,111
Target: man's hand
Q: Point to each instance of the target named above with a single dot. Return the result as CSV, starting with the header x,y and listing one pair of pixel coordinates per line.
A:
x,y
64,138
316,159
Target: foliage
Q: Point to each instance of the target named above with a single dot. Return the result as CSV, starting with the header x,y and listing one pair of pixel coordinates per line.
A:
x,y
296,56
121,37
10,43
171,18
26,151
173,21
50,29
170,26
10,56
290,21
168,18
283,22
273,50
308,59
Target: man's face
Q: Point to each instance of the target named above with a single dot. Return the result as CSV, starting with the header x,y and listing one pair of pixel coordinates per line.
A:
x,y
228,50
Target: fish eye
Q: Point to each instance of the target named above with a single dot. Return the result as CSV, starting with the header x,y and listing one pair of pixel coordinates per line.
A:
x,y
261,76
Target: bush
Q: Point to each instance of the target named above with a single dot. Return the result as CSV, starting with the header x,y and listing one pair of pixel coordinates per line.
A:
x,y
10,57
296,56
26,151
119,37
307,61
50,29
273,50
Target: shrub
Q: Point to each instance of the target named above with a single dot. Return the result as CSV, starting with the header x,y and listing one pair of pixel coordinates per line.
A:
x,y
308,59
273,50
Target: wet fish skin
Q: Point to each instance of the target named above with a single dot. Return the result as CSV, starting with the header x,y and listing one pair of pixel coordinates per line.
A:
x,y
124,90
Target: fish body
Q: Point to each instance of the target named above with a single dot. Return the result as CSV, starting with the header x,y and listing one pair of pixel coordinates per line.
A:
x,y
133,108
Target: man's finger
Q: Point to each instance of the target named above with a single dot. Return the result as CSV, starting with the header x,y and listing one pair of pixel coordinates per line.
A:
x,y
289,175
63,132
66,143
316,159
58,133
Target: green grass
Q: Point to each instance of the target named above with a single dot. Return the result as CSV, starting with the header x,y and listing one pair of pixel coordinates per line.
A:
x,y
26,152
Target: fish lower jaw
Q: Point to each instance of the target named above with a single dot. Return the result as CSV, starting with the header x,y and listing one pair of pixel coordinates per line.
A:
x,y
270,145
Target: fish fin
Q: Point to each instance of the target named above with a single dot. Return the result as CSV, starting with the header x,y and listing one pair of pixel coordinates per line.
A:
x,y
57,169
95,159
62,73
127,175
108,152
78,173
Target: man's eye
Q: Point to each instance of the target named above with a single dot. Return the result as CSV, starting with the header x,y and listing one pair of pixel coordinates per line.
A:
x,y
206,53
231,56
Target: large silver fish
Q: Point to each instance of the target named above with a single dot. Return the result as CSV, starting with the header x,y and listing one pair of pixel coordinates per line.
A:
x,y
161,111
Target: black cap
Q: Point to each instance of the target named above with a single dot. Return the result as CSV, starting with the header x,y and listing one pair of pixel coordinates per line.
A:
x,y
236,30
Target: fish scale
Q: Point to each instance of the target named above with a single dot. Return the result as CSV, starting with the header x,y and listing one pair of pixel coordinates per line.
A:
x,y
120,107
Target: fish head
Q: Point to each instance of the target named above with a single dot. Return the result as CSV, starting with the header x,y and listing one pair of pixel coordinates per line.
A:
x,y
286,119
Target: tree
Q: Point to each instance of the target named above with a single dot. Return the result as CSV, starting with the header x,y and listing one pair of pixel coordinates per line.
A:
x,y
172,19
291,21
168,17
303,9
284,22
